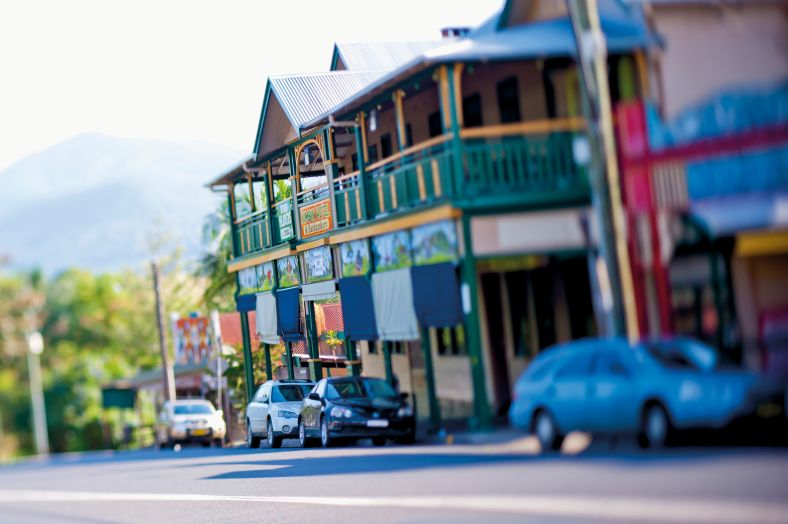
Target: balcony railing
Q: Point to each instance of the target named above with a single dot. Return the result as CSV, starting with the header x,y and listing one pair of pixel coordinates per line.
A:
x,y
483,166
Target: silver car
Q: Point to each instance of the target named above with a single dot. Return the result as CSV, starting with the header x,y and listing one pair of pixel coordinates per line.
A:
x,y
273,412
608,386
193,420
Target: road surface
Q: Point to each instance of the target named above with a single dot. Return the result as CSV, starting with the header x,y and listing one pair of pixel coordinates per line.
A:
x,y
503,482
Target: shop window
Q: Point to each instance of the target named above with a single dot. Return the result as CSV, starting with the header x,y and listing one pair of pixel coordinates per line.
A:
x,y
385,145
372,153
451,341
372,346
354,161
243,201
408,135
472,110
435,124
398,348
258,193
508,100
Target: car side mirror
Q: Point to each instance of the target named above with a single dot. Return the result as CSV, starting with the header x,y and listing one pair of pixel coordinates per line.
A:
x,y
313,396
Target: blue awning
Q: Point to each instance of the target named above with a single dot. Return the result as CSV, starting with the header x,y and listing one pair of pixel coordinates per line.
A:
x,y
245,303
436,295
727,216
288,313
358,310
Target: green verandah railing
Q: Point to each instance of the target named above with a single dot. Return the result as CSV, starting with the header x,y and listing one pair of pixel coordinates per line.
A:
x,y
251,233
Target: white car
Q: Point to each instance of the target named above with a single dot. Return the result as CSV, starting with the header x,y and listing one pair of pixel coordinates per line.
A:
x,y
190,421
273,412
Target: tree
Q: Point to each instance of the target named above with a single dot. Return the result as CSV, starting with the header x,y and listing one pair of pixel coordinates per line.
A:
x,y
220,285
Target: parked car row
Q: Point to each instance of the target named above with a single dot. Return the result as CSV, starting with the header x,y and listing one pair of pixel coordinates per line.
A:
x,y
647,389
332,411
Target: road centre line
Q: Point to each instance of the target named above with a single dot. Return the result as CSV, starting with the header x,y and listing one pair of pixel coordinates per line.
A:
x,y
600,507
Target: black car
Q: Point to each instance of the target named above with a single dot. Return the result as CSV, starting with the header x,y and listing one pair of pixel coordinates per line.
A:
x,y
350,408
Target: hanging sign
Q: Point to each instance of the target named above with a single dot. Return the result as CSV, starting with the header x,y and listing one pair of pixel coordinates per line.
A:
x,y
284,219
315,218
287,271
265,277
319,264
435,243
355,258
191,338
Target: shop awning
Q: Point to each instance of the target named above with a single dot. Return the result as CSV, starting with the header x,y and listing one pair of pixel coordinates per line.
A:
x,y
720,217
245,303
358,309
265,318
392,294
288,307
319,291
436,295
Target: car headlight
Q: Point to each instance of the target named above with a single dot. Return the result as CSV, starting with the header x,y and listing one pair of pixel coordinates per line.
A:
x,y
286,414
341,412
405,411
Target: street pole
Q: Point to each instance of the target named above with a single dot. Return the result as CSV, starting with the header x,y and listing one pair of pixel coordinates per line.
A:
x,y
592,61
167,375
216,329
35,344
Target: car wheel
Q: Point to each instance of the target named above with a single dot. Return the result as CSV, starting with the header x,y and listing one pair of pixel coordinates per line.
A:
x,y
251,440
219,443
273,440
325,438
547,432
654,427
379,441
302,438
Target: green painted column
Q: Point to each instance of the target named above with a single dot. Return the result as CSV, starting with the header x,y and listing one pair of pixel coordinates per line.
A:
x,y
315,368
387,362
456,141
289,358
362,173
470,294
267,353
248,362
350,352
429,372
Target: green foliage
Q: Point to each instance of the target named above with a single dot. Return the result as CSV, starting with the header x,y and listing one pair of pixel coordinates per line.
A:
x,y
220,285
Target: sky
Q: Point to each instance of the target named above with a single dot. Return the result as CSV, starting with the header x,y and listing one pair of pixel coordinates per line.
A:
x,y
179,70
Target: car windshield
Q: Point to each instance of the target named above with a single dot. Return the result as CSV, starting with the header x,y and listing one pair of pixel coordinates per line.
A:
x,y
360,389
683,354
290,393
192,409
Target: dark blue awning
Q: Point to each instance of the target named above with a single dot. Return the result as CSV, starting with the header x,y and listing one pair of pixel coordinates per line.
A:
x,y
358,310
245,303
288,312
436,295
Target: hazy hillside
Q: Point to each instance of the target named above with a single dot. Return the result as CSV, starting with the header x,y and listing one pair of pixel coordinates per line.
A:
x,y
102,202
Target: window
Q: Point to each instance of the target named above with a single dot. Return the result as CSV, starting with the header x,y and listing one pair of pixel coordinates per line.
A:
x,y
372,346
372,154
258,397
385,145
577,365
320,389
435,124
408,135
354,161
258,194
508,101
192,409
243,202
472,110
289,393
398,348
451,341
609,363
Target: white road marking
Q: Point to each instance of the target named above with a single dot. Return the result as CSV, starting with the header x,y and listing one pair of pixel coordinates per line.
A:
x,y
600,507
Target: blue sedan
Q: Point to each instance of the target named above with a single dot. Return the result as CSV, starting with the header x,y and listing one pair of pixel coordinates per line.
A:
x,y
608,386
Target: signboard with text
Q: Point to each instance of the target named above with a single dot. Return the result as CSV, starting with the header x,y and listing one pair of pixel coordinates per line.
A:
x,y
315,218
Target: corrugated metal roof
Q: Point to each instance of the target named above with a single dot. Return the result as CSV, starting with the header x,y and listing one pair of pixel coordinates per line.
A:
x,y
304,97
359,56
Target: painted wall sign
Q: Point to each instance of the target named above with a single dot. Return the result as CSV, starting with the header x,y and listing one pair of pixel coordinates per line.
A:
x,y
192,340
435,243
247,281
315,218
355,258
265,276
284,219
319,264
392,251
287,271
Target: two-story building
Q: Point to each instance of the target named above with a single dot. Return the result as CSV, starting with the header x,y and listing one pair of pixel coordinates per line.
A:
x,y
441,199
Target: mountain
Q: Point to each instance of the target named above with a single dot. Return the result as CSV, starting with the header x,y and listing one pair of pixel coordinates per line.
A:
x,y
104,203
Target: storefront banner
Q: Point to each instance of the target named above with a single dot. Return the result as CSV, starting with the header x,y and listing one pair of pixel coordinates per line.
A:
x,y
435,243
247,281
284,219
287,271
319,264
392,251
315,218
355,258
192,340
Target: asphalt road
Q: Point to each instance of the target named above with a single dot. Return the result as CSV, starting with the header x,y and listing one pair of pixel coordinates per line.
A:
x,y
503,482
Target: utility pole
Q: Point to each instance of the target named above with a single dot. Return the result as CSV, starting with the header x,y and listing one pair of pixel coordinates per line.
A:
x,y
168,377
35,346
592,62
216,331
